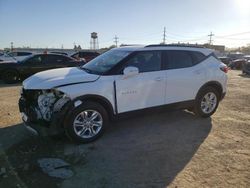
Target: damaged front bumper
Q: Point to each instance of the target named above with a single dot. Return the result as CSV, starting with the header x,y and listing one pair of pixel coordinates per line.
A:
x,y
28,125
38,126
29,119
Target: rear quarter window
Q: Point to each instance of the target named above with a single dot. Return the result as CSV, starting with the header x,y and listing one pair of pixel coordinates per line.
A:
x,y
215,56
197,57
177,59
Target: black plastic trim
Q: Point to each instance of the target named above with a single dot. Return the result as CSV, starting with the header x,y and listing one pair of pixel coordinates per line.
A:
x,y
115,98
155,109
212,83
92,97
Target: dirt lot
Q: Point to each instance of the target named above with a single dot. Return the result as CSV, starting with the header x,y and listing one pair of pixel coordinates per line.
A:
x,y
174,149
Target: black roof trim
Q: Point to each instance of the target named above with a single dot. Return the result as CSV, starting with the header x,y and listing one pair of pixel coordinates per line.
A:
x,y
175,45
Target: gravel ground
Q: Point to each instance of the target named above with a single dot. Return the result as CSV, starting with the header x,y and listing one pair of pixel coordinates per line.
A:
x,y
174,149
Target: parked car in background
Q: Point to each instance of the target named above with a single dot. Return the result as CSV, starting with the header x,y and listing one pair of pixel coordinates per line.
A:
x,y
6,57
12,72
237,64
19,56
81,101
225,60
85,55
246,67
236,55
60,53
247,57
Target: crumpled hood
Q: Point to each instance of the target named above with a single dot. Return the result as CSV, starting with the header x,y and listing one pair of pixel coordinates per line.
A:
x,y
58,77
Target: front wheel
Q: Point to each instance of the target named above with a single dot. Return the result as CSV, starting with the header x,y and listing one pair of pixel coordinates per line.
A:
x,y
86,122
206,102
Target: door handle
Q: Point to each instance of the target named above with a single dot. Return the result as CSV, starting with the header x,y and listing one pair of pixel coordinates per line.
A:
x,y
158,79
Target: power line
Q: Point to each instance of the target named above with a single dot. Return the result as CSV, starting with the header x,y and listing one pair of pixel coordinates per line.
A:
x,y
228,38
116,41
141,36
235,34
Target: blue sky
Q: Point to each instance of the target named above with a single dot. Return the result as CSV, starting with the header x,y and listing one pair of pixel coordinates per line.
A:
x,y
53,23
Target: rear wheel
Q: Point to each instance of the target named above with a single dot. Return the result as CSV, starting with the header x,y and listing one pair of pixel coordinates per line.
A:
x,y
206,102
86,122
10,76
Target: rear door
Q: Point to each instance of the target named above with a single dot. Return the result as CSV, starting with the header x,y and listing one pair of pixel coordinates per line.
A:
x,y
185,74
144,90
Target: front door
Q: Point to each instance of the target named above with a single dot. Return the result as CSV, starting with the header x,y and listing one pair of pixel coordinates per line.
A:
x,y
145,89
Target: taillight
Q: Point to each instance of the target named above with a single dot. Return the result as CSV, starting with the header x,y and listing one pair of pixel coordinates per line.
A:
x,y
224,69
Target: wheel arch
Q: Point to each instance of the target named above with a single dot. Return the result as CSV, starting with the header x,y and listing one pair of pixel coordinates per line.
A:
x,y
98,99
214,84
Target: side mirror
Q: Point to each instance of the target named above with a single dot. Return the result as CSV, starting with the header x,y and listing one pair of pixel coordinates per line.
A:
x,y
130,71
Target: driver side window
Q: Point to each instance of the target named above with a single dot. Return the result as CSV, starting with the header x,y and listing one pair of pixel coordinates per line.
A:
x,y
35,60
146,61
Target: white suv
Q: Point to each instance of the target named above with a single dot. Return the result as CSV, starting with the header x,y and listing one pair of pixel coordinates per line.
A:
x,y
81,100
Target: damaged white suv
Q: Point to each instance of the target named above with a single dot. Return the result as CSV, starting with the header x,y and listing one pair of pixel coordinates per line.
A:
x,y
80,101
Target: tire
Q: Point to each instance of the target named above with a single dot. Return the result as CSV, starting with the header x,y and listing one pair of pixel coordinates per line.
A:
x,y
78,124
10,76
206,102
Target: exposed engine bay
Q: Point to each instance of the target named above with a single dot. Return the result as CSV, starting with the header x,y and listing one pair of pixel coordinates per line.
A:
x,y
41,104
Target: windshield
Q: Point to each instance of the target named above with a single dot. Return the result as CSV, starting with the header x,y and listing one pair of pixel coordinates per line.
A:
x,y
106,61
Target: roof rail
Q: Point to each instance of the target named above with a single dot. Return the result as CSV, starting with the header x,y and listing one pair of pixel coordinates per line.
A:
x,y
175,45
124,45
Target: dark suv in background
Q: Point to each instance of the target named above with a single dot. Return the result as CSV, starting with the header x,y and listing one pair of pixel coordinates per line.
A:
x,y
12,72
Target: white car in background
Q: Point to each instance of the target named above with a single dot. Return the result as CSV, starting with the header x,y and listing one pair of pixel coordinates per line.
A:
x,y
19,56
81,101
14,56
6,57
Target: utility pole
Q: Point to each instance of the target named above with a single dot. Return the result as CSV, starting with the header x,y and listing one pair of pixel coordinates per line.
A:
x,y
164,36
116,41
11,46
210,38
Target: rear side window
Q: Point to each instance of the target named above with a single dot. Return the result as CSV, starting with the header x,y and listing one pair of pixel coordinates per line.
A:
x,y
76,55
56,59
197,57
35,59
215,56
84,54
12,53
23,53
176,59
